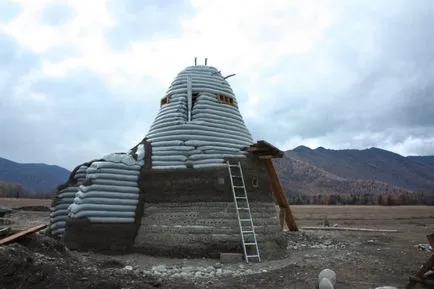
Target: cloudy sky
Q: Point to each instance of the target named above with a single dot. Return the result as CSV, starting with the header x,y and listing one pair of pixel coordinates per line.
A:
x,y
80,79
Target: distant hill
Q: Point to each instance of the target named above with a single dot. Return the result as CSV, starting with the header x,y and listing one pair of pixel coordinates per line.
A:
x,y
428,160
32,177
373,170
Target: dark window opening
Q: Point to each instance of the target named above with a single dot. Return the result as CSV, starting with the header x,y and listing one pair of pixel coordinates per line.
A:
x,y
225,99
255,182
194,97
165,100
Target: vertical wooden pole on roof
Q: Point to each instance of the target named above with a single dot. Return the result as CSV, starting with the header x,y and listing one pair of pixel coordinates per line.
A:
x,y
280,196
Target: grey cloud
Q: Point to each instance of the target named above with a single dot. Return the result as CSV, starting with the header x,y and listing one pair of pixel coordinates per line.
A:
x,y
381,68
140,20
80,119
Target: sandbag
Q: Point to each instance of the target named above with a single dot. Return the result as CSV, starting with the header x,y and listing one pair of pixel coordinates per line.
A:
x,y
86,213
59,218
170,153
140,152
207,161
120,158
211,139
111,220
111,165
58,231
166,143
201,131
168,167
113,171
66,195
59,224
108,188
218,117
167,163
204,89
166,124
176,158
112,177
225,149
62,212
217,165
198,143
102,194
114,182
109,201
75,208
218,112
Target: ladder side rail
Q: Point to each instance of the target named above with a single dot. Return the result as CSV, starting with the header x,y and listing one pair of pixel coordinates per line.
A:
x,y
250,214
238,213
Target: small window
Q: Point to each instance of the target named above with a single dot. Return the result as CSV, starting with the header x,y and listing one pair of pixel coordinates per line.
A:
x,y
194,97
165,100
255,182
225,99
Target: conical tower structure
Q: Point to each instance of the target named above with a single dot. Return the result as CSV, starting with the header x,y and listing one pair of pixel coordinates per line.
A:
x,y
172,194
199,123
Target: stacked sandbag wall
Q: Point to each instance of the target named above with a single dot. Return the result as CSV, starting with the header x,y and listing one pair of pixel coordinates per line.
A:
x,y
214,132
103,215
63,199
111,192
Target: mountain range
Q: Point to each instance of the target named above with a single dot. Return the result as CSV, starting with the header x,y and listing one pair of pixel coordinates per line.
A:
x,y
302,171
32,177
374,171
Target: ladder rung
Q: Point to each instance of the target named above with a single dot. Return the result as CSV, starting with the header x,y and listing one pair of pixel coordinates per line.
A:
x,y
238,187
233,166
241,197
249,244
233,176
247,232
243,208
245,220
252,256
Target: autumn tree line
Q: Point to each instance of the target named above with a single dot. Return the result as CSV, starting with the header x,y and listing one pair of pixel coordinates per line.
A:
x,y
13,190
391,199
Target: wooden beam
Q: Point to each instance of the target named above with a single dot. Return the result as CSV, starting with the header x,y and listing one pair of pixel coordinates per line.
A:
x,y
349,229
280,196
22,233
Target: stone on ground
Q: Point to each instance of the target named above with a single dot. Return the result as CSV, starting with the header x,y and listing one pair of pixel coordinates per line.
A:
x,y
227,258
329,274
325,284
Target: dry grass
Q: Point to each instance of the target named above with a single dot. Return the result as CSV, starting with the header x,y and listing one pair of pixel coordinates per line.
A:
x,y
16,203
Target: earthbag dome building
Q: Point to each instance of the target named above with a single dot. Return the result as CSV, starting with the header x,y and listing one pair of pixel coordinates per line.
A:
x,y
196,185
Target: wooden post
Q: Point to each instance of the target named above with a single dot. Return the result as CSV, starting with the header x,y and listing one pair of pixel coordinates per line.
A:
x,y
280,196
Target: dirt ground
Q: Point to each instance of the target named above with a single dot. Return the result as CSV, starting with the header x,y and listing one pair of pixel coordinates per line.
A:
x,y
360,259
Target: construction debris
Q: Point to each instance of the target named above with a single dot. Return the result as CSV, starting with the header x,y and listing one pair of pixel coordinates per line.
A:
x,y
4,211
5,231
350,229
424,247
22,233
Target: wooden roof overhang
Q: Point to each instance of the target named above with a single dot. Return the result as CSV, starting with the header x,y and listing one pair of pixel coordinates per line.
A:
x,y
264,149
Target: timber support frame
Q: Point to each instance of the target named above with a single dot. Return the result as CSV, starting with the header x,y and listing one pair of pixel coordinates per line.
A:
x,y
267,152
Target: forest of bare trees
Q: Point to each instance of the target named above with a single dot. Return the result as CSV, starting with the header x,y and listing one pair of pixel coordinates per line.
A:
x,y
13,190
387,199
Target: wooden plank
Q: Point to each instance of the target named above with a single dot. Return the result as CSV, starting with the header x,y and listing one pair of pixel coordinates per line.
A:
x,y
349,229
22,233
280,196
420,277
